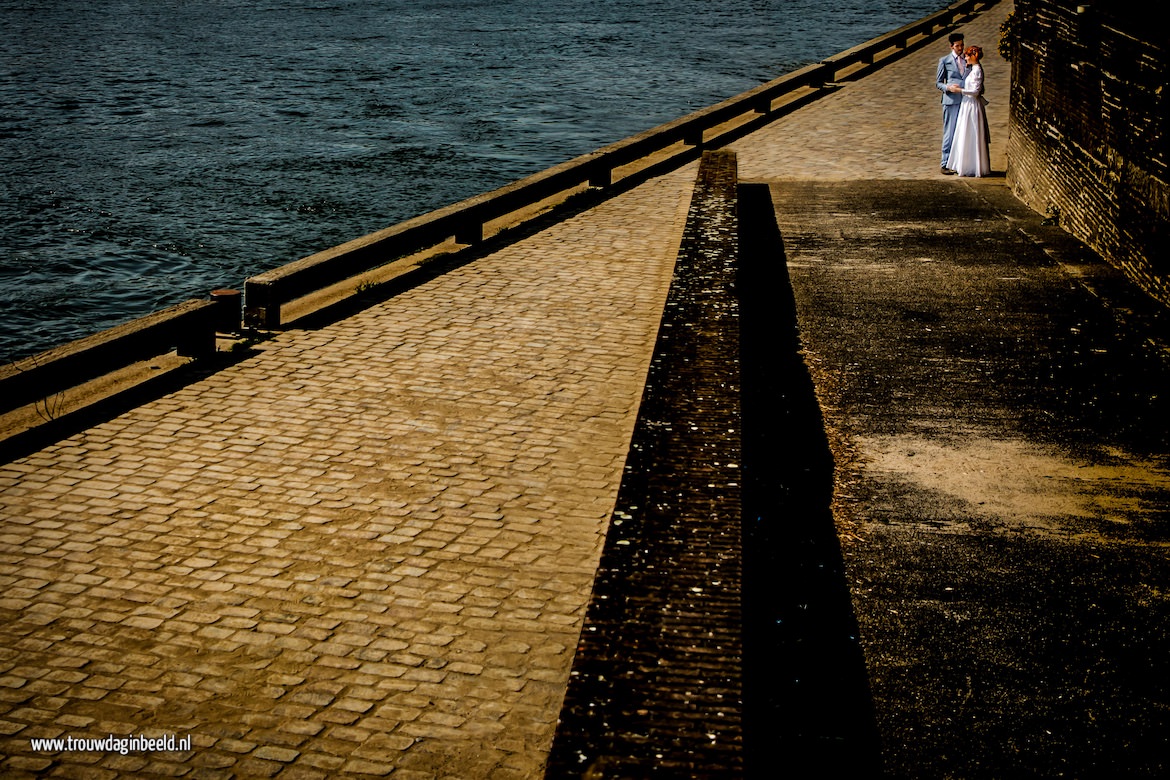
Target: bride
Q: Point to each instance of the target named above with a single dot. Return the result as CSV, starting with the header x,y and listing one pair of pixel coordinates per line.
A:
x,y
969,151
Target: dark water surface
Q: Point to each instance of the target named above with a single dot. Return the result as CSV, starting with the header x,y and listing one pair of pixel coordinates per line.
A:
x,y
153,151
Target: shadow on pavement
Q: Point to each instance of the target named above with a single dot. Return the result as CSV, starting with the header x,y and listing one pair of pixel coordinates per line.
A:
x,y
807,698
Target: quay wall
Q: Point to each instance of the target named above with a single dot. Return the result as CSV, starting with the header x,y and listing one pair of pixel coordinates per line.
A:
x,y
1089,141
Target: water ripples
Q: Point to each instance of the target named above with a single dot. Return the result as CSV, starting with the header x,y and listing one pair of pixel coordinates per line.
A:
x,y
153,152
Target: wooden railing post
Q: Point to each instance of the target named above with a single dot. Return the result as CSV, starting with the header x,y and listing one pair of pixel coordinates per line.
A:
x,y
261,309
188,328
470,234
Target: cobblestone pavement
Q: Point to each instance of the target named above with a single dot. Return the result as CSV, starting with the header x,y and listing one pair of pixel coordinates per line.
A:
x,y
368,548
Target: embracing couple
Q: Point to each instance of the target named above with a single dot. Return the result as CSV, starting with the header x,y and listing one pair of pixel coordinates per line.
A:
x,y
966,137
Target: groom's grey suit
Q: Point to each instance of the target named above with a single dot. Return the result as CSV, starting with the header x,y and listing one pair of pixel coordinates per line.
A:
x,y
949,72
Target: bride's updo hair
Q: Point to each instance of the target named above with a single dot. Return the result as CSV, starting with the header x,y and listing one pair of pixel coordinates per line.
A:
x,y
974,50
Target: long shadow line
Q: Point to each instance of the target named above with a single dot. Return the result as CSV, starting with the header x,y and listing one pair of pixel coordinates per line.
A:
x,y
808,710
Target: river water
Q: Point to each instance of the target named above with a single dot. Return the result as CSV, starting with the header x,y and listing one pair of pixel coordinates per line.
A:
x,y
153,151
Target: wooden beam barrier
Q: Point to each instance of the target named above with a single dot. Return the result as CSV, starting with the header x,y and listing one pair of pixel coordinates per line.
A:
x,y
464,222
899,40
188,328
669,144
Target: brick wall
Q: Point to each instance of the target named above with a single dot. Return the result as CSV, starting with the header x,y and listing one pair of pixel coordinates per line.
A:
x,y
1089,137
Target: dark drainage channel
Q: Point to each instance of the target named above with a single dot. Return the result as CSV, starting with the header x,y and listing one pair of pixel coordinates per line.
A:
x,y
719,641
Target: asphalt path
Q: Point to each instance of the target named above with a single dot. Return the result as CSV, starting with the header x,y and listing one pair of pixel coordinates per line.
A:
x,y
993,396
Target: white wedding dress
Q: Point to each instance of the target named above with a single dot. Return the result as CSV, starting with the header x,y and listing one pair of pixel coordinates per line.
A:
x,y
969,153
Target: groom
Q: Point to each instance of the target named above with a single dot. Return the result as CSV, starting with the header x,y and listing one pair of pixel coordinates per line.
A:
x,y
952,69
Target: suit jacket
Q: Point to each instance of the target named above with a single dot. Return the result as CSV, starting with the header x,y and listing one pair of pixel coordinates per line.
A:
x,y
948,73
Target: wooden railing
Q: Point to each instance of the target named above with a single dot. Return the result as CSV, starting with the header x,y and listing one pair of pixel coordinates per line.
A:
x,y
609,168
191,327
188,328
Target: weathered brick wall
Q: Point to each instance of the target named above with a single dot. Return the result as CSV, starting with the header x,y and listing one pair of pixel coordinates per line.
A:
x,y
1089,114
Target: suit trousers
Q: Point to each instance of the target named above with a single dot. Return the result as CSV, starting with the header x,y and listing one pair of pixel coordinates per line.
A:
x,y
950,120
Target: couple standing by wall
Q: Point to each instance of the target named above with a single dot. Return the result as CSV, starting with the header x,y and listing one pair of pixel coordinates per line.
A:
x,y
966,138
